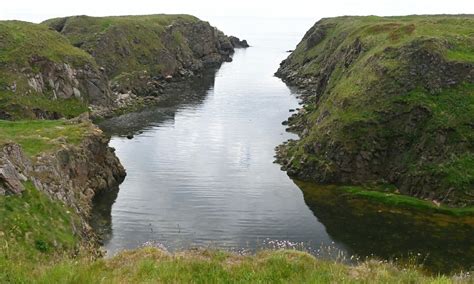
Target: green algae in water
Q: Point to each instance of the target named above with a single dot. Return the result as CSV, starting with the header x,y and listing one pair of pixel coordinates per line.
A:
x,y
439,241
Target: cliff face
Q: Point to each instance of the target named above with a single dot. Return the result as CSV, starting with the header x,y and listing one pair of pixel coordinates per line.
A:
x,y
71,174
39,66
68,66
388,100
141,54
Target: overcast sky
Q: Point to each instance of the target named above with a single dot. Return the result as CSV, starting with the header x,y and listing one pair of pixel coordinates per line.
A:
x,y
38,10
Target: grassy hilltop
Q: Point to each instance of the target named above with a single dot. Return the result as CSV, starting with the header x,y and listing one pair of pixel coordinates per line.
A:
x,y
124,43
26,51
63,66
389,101
137,51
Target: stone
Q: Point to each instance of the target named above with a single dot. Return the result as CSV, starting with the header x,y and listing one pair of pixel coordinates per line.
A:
x,y
12,164
237,43
77,93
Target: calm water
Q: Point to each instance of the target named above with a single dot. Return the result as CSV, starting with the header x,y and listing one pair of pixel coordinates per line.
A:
x,y
201,172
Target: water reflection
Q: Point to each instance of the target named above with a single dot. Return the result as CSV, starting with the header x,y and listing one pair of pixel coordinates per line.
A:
x,y
205,174
440,242
101,220
178,96
200,172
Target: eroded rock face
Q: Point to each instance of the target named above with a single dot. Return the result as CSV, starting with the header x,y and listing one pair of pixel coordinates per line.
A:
x,y
85,82
376,111
143,54
72,175
13,167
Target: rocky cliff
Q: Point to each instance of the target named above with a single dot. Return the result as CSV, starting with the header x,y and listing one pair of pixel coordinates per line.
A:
x,y
143,54
68,66
387,101
69,173
43,76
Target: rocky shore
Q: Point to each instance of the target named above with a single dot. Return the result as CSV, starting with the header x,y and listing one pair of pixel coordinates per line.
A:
x,y
67,66
387,101
147,57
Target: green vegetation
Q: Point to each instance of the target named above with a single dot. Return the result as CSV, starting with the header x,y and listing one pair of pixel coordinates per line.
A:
x,y
24,106
387,196
395,104
39,136
33,230
84,29
126,44
26,51
20,41
204,266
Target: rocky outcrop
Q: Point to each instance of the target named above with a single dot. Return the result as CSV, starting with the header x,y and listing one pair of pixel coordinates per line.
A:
x,y
384,104
65,82
71,60
237,43
142,54
13,169
39,65
73,174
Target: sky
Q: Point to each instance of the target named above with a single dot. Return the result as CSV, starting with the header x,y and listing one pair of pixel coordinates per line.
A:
x,y
39,10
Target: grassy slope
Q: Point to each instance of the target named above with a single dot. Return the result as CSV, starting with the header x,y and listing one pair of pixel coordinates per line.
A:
x,y
39,136
19,43
125,44
149,265
33,230
360,97
22,40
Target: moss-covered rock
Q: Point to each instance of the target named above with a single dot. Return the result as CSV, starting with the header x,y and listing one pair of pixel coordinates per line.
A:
x,y
39,66
61,68
140,53
388,100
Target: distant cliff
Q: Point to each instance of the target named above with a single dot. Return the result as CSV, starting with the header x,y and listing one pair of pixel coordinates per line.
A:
x,y
43,76
68,66
388,101
142,54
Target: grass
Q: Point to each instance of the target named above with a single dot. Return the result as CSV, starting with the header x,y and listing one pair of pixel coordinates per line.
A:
x,y
33,230
23,106
151,265
20,41
40,136
24,50
373,102
126,44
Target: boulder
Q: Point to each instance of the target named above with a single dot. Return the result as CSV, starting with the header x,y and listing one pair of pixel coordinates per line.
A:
x,y
237,43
